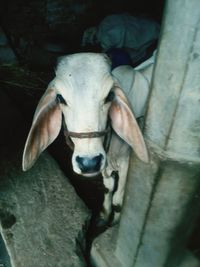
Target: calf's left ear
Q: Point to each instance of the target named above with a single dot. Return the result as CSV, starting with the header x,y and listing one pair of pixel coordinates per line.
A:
x,y
125,124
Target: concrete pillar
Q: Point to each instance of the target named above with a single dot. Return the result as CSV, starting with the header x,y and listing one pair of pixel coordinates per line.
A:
x,y
162,198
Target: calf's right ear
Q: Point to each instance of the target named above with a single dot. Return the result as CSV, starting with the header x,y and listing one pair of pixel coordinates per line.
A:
x,y
45,128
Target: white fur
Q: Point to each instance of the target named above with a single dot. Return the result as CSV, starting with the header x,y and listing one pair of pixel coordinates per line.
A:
x,y
84,81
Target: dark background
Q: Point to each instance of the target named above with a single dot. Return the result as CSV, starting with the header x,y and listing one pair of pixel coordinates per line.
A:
x,y
32,24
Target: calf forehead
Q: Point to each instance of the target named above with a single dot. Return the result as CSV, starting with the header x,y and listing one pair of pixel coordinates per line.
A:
x,y
85,75
83,65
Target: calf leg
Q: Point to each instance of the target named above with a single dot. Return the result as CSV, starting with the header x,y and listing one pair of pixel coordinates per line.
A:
x,y
118,195
117,166
109,183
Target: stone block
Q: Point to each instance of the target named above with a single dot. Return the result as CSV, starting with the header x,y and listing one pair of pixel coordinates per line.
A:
x,y
42,218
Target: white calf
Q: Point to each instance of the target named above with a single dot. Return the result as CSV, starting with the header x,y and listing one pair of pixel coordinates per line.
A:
x,y
88,96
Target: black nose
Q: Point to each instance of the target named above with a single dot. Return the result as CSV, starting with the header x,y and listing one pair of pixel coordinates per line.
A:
x,y
89,165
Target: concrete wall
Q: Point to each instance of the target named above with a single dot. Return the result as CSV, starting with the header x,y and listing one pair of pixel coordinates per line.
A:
x,y
162,197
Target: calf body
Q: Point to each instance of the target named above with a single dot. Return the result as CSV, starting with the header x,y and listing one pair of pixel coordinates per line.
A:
x,y
89,98
136,85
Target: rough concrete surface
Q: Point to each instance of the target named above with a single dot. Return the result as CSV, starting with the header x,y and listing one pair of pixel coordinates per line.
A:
x,y
189,260
41,216
103,249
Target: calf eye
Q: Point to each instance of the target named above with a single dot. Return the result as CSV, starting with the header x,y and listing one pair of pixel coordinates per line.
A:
x,y
60,99
109,97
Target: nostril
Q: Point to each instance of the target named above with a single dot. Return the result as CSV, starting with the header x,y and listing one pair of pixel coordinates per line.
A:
x,y
89,165
97,160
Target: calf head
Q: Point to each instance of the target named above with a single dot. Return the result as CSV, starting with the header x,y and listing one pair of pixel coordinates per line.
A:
x,y
85,95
